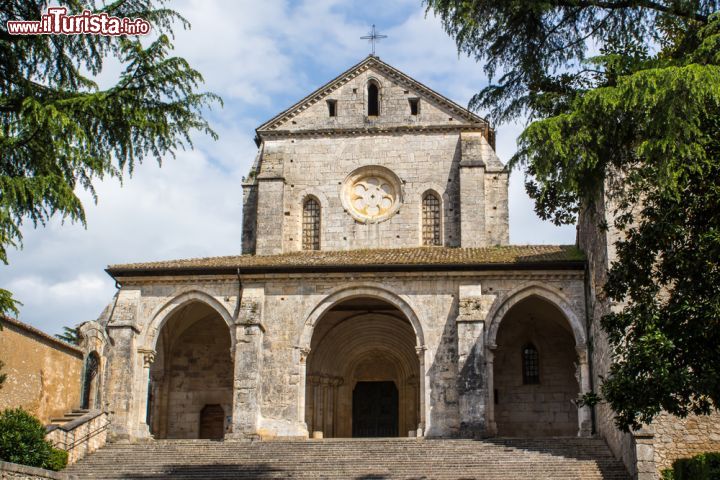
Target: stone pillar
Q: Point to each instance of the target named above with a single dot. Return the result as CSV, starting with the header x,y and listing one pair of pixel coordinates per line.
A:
x,y
120,383
643,441
584,413
124,368
424,393
472,388
490,424
247,387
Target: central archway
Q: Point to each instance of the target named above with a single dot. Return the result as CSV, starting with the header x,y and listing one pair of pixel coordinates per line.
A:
x,y
363,372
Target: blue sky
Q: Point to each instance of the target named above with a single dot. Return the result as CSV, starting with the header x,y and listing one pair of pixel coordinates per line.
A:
x,y
260,57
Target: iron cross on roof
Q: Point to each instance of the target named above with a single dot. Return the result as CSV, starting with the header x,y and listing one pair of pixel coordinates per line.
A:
x,y
373,36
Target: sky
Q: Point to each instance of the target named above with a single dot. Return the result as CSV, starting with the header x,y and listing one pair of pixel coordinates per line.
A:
x,y
260,57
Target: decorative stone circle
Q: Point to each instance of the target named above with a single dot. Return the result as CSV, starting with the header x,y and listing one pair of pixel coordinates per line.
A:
x,y
371,194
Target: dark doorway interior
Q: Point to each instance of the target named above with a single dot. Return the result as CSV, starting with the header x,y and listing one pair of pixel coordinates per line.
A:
x,y
212,421
375,409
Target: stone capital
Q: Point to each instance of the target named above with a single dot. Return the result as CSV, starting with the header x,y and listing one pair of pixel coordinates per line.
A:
x,y
304,352
148,356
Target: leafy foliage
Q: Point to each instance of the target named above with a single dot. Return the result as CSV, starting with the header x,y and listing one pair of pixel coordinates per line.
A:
x,y
59,131
69,335
705,466
22,440
638,126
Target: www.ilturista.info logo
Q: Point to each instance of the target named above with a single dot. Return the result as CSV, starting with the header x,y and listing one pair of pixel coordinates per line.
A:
x,y
57,21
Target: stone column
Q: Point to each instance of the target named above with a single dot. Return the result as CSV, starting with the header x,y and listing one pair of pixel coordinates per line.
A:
x,y
302,387
327,406
142,430
424,392
247,387
490,424
335,383
584,413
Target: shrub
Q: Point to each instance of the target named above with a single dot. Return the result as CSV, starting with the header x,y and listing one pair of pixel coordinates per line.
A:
x,y
58,460
705,466
22,440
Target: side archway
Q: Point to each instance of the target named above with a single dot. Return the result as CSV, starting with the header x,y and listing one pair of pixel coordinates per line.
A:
x,y
190,369
555,297
161,314
537,365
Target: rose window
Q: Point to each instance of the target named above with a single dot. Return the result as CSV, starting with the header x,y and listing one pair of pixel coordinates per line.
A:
x,y
371,194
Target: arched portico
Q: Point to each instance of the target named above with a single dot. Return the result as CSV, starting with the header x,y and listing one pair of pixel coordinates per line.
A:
x,y
187,375
536,364
361,339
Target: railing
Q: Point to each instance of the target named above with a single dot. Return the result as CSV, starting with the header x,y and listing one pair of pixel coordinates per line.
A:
x,y
81,436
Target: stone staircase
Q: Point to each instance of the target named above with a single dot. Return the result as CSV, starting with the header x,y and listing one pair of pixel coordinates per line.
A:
x,y
68,417
361,459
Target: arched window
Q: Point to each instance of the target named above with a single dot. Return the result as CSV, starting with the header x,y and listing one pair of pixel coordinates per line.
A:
x,y
531,365
431,220
373,96
311,225
90,384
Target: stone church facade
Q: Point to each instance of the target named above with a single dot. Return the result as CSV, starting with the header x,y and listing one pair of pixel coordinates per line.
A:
x,y
377,293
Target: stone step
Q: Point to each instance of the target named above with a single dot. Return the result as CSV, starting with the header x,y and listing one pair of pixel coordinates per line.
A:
x,y
367,459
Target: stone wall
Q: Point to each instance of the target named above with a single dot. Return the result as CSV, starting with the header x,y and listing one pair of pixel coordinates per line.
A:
x,y
676,438
44,375
13,471
598,246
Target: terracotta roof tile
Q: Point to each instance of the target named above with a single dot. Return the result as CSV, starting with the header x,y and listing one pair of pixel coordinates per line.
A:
x,y
541,255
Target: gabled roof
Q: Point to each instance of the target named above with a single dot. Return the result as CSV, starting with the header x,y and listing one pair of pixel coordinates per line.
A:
x,y
510,257
370,62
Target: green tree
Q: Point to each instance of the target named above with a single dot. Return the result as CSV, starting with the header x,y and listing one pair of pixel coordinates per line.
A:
x,y
639,123
60,132
22,440
70,335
